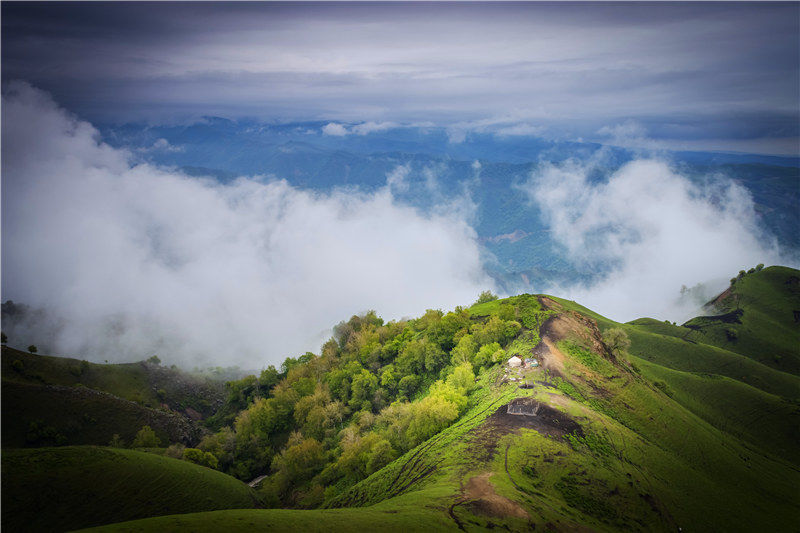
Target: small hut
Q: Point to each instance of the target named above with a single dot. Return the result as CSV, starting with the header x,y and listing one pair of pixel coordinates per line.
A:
x,y
515,362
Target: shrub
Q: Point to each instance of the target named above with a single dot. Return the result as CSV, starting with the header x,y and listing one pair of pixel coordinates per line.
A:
x,y
662,386
16,364
462,378
40,435
616,340
408,385
146,438
486,296
116,441
199,457
485,355
154,360
32,348
175,451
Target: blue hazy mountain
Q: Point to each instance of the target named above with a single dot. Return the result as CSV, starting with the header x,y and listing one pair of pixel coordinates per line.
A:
x,y
520,250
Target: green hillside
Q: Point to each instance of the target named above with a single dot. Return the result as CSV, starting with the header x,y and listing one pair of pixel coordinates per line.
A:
x,y
421,423
62,489
145,382
758,316
58,400
48,415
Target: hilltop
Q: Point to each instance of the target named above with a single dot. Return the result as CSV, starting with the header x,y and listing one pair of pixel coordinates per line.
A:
x,y
422,423
58,400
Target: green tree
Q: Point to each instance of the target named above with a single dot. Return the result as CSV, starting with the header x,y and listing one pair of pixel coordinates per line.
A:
x,y
462,378
616,340
486,296
146,438
154,360
499,356
464,350
418,355
269,378
430,415
408,385
495,330
389,378
199,457
32,348
363,388
485,355
116,441
3,338
299,462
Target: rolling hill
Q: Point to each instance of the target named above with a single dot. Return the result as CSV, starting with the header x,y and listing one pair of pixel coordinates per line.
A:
x,y
644,426
66,488
57,400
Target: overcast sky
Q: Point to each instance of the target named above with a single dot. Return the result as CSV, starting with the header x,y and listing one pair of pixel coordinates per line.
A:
x,y
708,76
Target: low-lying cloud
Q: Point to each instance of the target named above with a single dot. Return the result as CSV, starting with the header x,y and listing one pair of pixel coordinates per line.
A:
x,y
131,260
647,231
336,129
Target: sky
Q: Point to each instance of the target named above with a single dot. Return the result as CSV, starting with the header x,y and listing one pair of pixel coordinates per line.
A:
x,y
128,259
705,76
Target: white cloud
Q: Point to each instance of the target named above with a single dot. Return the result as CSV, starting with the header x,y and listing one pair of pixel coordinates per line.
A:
x,y
508,125
366,128
161,145
397,179
134,260
657,229
521,130
334,129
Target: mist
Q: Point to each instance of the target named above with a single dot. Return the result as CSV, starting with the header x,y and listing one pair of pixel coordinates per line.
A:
x,y
648,232
129,260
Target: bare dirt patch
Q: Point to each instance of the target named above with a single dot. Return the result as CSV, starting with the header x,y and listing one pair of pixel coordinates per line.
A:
x,y
573,325
546,420
480,497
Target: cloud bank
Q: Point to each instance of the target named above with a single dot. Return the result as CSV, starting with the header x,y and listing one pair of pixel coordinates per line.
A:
x,y
365,128
648,231
702,75
134,260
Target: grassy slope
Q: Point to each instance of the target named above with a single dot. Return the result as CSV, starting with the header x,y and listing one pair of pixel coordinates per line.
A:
x,y
60,489
728,390
128,381
767,331
690,481
635,472
762,419
87,403
391,518
83,416
714,447
138,382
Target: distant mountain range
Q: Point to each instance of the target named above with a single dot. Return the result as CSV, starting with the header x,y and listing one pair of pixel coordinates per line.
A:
x,y
439,171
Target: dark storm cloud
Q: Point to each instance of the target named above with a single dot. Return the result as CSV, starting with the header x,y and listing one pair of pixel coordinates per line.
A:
x,y
687,71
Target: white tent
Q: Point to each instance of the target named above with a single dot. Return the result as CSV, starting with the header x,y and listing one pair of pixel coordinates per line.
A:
x,y
515,362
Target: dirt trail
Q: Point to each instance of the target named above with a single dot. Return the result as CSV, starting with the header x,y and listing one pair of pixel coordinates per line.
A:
x,y
480,497
256,481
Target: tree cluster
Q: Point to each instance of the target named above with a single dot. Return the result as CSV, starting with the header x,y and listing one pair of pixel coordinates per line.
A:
x,y
324,422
